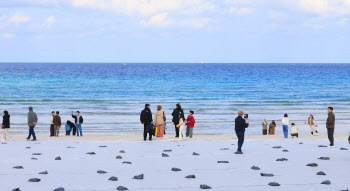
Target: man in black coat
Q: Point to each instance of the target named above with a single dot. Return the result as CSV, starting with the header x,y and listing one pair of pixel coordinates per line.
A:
x,y
240,125
176,113
330,125
146,120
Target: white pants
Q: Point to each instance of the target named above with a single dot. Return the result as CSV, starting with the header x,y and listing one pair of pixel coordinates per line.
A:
x,y
6,133
181,132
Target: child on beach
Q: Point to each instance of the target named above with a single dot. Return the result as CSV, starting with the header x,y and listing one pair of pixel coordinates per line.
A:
x,y
294,131
181,126
68,128
190,124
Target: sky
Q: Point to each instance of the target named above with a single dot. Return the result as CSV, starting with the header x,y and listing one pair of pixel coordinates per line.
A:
x,y
190,31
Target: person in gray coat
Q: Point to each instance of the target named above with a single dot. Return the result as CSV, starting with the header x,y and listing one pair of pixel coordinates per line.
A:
x,y
32,121
330,126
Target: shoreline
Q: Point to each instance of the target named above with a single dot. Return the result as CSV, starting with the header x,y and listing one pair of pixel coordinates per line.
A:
x,y
172,137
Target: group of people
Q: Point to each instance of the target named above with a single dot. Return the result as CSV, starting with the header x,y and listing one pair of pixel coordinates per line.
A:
x,y
158,127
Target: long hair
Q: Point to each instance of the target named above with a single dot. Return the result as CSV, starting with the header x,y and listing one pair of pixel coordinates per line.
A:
x,y
159,107
312,116
6,112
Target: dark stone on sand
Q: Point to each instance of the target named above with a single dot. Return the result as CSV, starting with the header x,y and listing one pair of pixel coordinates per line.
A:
x,y
285,150
122,151
70,147
113,178
91,153
223,162
301,143
127,162
190,176
322,146
312,165
33,158
255,168
167,150
165,155
204,186
18,167
4,143
176,169
122,188
343,149
277,147
59,189
36,154
266,174
34,180
118,157
44,172
16,189
282,159
101,172
324,158
28,148
274,184
327,182
103,146
321,173
196,154
58,158
225,149
138,177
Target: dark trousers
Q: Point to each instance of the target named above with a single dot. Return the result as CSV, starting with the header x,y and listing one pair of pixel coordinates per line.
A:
x,y
74,129
145,131
67,132
294,135
240,136
52,130
330,132
31,132
176,131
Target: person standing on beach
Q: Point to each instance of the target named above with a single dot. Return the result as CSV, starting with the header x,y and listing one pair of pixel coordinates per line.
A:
x,y
181,126
52,126
264,125
176,113
312,124
190,124
78,121
272,127
6,125
240,126
330,126
146,121
285,124
32,121
159,121
57,122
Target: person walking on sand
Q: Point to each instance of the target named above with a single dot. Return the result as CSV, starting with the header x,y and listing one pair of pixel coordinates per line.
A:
x,y
146,121
78,121
52,126
312,124
272,127
330,126
32,121
159,120
190,123
294,131
57,122
240,126
6,126
285,124
176,113
181,126
264,126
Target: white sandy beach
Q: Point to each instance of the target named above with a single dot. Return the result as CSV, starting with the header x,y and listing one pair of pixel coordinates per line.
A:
x,y
77,171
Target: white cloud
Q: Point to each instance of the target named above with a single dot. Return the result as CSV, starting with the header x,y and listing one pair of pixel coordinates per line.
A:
x,y
7,35
18,18
159,20
277,15
49,21
195,22
241,10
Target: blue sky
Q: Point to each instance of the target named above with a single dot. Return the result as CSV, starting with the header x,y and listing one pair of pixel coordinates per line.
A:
x,y
239,31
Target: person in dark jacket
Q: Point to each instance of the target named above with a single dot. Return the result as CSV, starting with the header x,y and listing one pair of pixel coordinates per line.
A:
x,y
78,121
52,126
57,122
6,126
176,113
68,127
330,125
72,128
240,125
32,122
146,121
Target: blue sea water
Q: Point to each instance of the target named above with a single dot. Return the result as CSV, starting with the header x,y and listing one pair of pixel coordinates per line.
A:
x,y
110,96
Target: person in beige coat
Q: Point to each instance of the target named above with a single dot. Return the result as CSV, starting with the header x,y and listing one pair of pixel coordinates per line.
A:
x,y
159,121
264,126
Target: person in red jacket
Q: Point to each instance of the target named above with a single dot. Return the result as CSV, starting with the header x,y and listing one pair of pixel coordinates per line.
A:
x,y
190,124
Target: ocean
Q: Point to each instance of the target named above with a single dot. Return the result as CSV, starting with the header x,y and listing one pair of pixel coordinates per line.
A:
x,y
110,96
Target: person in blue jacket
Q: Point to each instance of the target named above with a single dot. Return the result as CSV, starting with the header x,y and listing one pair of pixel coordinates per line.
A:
x,y
240,125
